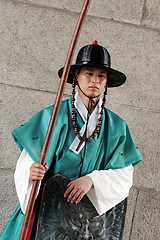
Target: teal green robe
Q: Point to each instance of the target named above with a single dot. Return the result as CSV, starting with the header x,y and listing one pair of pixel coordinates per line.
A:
x,y
113,148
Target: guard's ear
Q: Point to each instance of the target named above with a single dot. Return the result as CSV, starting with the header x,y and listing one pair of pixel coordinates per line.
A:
x,y
76,73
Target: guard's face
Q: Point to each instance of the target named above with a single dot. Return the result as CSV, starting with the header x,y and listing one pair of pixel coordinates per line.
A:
x,y
92,81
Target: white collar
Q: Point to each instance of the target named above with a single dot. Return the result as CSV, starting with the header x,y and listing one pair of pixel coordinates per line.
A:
x,y
92,123
82,109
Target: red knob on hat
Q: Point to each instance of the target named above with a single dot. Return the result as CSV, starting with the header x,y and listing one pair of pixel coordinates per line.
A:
x,y
95,43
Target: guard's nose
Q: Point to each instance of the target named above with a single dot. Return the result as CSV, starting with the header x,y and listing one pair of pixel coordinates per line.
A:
x,y
95,78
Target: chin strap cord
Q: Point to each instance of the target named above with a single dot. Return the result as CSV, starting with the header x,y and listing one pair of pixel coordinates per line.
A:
x,y
84,137
86,94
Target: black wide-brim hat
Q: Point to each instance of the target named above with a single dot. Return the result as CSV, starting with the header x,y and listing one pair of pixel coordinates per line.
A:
x,y
96,56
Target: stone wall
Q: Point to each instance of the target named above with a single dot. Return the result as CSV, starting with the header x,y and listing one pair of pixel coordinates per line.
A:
x,y
35,35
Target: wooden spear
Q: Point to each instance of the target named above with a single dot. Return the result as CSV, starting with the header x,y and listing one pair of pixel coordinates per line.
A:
x,y
54,116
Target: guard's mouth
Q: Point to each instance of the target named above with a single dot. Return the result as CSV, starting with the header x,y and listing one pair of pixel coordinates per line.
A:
x,y
93,87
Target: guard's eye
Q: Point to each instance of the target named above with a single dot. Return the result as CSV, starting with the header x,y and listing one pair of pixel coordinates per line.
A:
x,y
102,76
90,73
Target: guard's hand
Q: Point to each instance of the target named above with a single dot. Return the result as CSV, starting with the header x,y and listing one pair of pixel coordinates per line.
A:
x,y
78,188
37,171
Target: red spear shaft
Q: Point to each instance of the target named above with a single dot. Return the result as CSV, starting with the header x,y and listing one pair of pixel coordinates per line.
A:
x,y
54,116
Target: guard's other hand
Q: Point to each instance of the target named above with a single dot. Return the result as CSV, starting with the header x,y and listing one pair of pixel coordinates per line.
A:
x,y
78,188
37,171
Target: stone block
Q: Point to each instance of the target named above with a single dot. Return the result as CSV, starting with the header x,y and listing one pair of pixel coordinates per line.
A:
x,y
35,42
18,106
123,11
23,42
151,14
130,212
145,131
8,197
146,218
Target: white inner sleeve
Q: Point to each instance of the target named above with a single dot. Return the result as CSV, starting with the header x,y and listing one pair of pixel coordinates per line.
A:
x,y
110,187
22,182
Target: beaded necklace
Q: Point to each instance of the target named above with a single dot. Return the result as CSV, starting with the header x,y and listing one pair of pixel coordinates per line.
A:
x,y
98,127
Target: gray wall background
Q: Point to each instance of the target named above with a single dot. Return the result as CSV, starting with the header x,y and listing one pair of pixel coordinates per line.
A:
x,y
35,35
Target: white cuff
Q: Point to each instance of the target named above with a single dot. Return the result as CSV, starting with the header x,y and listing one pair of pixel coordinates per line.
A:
x,y
22,182
110,187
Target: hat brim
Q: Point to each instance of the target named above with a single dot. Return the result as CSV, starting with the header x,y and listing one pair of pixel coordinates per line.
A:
x,y
114,77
